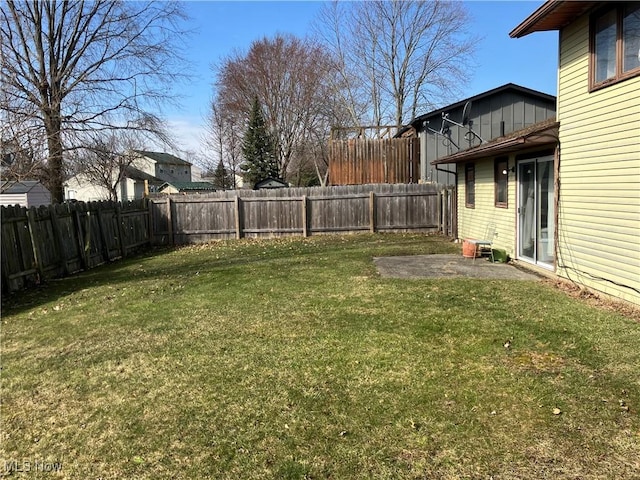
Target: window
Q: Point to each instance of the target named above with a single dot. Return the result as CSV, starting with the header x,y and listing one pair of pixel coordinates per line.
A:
x,y
615,45
501,181
470,185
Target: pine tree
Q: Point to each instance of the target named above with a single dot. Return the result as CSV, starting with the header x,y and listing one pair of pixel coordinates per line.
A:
x,y
258,148
222,178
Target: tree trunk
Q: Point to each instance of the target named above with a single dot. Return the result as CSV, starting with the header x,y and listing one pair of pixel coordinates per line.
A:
x,y
55,177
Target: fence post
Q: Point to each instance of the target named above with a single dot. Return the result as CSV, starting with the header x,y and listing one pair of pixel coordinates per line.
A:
x,y
31,222
170,221
372,212
151,224
305,220
55,226
123,249
101,231
238,216
80,237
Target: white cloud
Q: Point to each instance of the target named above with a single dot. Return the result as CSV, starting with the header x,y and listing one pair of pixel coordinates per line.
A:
x,y
187,133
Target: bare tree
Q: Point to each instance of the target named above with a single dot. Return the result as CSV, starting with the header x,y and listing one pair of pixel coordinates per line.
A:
x,y
107,158
72,67
224,139
398,56
291,77
21,152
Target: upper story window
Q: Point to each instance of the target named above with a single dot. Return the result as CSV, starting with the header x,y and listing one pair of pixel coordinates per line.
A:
x,y
470,185
615,45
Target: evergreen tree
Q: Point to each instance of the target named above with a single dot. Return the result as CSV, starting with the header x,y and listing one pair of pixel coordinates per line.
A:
x,y
258,148
222,178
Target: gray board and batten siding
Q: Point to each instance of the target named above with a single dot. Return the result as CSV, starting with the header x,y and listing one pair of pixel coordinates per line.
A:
x,y
493,114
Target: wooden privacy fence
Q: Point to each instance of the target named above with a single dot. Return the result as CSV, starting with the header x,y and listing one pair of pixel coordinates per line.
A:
x,y
364,161
60,239
301,211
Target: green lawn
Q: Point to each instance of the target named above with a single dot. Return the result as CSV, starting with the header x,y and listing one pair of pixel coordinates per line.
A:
x,y
294,359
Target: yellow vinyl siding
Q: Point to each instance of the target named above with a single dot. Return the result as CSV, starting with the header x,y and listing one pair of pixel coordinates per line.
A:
x,y
599,210
473,221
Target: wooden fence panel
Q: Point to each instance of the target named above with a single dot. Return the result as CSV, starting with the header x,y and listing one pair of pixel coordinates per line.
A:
x,y
195,219
346,213
18,261
367,161
64,238
295,211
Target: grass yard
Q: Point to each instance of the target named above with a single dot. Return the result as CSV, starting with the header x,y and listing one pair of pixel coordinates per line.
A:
x,y
293,359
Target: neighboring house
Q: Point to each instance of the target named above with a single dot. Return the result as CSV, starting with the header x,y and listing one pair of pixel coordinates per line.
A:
x,y
565,195
164,166
27,193
487,116
146,173
186,187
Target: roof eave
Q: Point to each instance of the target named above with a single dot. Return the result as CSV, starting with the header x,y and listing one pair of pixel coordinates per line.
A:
x,y
543,137
528,25
552,15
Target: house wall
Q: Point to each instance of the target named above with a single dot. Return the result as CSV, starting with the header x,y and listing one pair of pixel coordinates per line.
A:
x,y
10,199
79,188
38,196
145,164
492,117
472,222
173,173
599,209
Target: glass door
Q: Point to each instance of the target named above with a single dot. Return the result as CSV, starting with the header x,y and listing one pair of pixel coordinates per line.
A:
x,y
536,211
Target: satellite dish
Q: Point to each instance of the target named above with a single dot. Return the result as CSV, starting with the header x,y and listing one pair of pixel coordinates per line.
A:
x,y
466,112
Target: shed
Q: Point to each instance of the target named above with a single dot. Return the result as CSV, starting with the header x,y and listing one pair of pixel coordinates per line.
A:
x,y
270,183
186,187
27,193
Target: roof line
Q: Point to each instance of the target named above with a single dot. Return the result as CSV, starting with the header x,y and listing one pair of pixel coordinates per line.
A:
x,y
515,138
541,12
473,98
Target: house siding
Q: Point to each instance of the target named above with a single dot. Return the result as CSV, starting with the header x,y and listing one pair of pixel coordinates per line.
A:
x,y
36,197
492,116
83,190
599,209
473,221
10,199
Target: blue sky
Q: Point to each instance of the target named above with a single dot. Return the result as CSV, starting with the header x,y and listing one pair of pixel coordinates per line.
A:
x,y
222,27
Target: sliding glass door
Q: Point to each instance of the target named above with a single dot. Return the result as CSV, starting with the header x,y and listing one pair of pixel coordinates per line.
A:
x,y
536,211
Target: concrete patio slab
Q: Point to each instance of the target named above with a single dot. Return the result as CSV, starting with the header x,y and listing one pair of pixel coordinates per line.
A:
x,y
447,266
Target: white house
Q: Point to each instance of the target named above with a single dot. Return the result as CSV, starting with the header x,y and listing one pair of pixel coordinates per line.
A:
x,y
146,173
